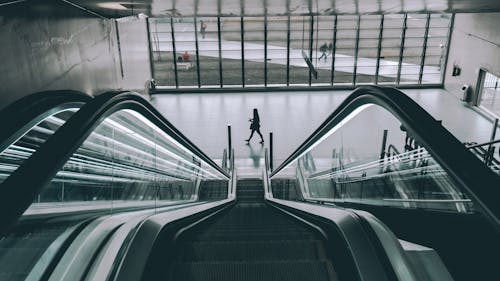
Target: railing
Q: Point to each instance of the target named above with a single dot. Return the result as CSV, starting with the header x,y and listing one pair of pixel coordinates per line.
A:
x,y
30,121
435,170
31,110
487,152
117,152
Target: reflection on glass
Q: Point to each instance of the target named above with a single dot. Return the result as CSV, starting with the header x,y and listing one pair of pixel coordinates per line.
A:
x,y
369,32
300,32
254,51
412,46
162,51
490,94
13,156
437,44
276,50
127,161
323,49
231,50
391,49
185,52
345,49
349,166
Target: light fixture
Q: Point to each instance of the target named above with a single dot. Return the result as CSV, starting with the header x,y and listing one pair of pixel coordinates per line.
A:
x,y
112,6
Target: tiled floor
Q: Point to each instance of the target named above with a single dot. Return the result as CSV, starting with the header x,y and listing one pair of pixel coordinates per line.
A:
x,y
292,117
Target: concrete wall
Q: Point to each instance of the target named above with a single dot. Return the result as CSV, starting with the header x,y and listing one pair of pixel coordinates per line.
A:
x,y
47,53
475,44
66,48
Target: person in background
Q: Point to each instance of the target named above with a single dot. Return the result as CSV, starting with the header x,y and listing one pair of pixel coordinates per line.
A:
x,y
185,56
203,27
255,126
323,49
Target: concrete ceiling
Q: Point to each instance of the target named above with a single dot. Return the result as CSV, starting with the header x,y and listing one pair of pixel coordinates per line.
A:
x,y
159,8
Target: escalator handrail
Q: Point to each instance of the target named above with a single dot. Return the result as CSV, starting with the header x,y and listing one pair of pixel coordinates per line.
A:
x,y
32,109
21,187
464,168
138,253
369,263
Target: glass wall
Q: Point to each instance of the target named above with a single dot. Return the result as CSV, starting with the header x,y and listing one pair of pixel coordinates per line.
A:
x,y
489,97
280,51
231,51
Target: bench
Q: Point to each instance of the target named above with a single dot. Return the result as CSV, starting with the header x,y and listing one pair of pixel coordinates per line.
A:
x,y
185,65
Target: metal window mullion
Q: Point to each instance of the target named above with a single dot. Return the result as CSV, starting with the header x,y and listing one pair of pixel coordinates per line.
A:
x,y
220,51
288,52
242,26
424,49
311,37
197,51
356,50
379,50
173,52
401,51
119,46
265,50
450,32
150,49
334,47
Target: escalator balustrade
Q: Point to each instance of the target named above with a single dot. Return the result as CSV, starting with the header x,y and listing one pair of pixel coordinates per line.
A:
x,y
251,241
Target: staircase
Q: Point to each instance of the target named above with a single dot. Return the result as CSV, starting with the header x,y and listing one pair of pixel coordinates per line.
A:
x,y
251,241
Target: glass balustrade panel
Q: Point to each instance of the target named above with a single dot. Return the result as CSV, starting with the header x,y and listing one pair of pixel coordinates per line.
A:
x,y
370,158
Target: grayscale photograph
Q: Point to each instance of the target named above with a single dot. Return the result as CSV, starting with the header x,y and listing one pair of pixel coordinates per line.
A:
x,y
249,140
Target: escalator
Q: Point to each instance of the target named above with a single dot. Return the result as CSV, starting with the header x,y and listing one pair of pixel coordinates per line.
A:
x,y
116,192
251,241
407,170
121,168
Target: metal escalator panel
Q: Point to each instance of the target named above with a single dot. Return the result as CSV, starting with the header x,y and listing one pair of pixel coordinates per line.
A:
x,y
380,148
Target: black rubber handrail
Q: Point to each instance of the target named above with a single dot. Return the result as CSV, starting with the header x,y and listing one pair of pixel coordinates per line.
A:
x,y
21,187
28,111
480,184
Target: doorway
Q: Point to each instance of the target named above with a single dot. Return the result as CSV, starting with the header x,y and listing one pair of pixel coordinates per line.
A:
x,y
488,92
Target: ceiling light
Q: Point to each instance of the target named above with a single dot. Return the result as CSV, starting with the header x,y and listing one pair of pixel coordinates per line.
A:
x,y
111,5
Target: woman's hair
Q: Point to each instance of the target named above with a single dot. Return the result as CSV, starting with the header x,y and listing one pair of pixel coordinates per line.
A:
x,y
255,113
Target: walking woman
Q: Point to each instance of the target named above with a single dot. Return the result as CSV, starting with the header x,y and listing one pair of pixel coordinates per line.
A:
x,y
255,126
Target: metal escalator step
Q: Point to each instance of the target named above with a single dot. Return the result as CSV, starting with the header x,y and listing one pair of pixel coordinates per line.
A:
x,y
251,271
246,236
250,250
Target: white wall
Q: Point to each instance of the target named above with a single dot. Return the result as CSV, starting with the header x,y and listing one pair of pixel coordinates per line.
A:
x,y
474,44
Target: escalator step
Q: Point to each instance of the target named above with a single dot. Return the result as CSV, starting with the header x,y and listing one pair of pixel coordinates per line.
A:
x,y
265,236
251,271
251,250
